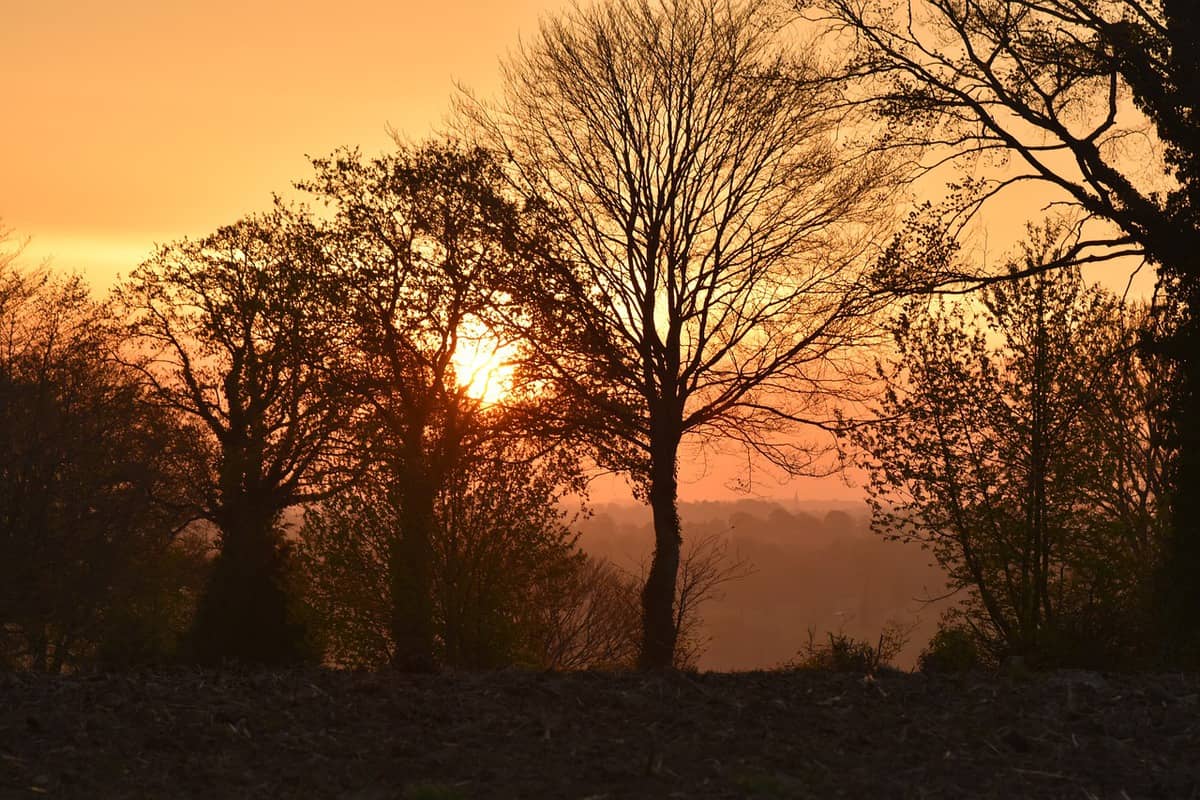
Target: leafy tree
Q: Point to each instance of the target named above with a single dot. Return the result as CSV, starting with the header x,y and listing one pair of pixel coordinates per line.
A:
x,y
93,488
698,279
498,541
1044,87
509,585
417,242
1015,441
224,328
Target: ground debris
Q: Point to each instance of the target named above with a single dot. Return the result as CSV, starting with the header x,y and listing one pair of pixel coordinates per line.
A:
x,y
313,733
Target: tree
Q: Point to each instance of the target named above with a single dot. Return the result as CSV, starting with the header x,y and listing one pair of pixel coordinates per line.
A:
x,y
1047,84
416,243
699,277
499,542
93,486
1019,446
224,331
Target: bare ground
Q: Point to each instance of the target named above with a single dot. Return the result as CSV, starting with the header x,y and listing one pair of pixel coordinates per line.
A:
x,y
312,733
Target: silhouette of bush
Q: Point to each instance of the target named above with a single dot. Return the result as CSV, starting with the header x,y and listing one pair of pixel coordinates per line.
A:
x,y
149,627
952,649
844,653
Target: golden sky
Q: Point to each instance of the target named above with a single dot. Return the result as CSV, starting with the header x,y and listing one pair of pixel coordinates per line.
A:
x,y
129,122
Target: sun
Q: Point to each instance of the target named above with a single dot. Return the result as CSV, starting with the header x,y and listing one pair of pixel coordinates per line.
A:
x,y
484,366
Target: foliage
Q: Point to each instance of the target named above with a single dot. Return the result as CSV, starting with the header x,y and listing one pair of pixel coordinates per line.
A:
x,y
844,653
150,627
222,331
417,241
1017,442
954,648
1041,90
500,546
93,488
700,275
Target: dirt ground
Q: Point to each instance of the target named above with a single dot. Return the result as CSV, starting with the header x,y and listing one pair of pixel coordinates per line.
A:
x,y
312,733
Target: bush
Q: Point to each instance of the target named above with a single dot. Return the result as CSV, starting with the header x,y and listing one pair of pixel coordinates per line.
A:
x,y
952,649
844,653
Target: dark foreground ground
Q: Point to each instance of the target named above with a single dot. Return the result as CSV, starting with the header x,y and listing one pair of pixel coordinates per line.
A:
x,y
318,734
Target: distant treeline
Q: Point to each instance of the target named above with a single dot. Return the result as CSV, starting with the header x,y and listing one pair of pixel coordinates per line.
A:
x,y
799,569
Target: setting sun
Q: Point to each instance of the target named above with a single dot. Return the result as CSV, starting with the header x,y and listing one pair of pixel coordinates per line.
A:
x,y
484,367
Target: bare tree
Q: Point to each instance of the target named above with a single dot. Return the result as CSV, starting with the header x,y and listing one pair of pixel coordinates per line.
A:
x,y
15,284
588,617
705,566
704,284
1038,89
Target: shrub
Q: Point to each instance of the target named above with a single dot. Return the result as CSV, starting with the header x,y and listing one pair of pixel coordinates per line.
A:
x,y
952,649
844,653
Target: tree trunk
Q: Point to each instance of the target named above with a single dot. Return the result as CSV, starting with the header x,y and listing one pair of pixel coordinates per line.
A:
x,y
411,577
658,597
244,611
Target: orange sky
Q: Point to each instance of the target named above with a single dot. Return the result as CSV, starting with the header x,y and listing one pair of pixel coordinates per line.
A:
x,y
130,122
134,121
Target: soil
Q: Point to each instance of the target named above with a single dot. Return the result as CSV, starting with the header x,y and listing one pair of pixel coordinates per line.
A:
x,y
312,733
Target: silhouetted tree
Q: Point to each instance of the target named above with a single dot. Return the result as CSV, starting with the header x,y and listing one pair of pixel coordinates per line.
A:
x,y
1044,86
701,283
498,539
416,243
224,331
92,487
1019,445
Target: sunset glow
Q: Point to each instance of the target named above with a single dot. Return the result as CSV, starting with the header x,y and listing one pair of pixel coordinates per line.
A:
x,y
484,368
595,398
